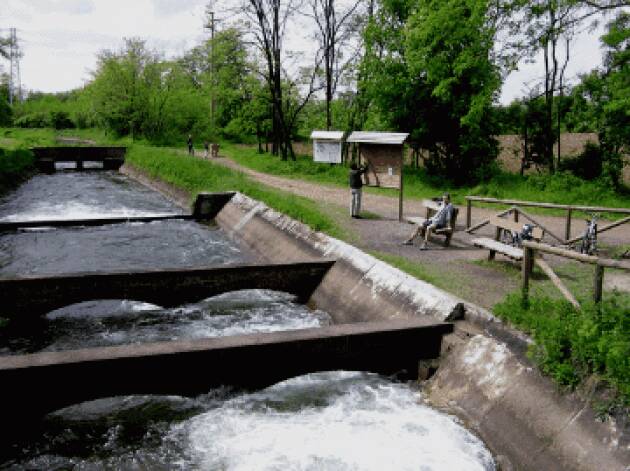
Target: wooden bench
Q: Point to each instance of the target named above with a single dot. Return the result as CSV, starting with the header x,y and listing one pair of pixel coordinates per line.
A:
x,y
496,246
432,207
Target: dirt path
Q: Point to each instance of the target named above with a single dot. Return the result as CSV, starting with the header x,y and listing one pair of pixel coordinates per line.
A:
x,y
460,268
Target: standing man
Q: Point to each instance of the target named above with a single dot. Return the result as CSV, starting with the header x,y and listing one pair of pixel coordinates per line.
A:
x,y
191,151
439,220
356,183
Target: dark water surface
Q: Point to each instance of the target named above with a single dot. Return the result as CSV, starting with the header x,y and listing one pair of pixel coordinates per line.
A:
x,y
131,246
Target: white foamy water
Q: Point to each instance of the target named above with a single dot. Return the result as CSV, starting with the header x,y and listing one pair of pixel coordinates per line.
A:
x,y
82,195
330,421
110,322
74,210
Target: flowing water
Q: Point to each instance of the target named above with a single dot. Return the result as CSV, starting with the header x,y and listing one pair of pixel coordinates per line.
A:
x,y
324,421
106,323
69,195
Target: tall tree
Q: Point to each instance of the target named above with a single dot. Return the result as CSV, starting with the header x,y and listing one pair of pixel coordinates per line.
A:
x,y
449,45
120,92
336,28
614,133
289,93
220,68
548,23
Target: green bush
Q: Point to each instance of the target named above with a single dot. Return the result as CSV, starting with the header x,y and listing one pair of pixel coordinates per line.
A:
x,y
587,165
572,345
15,165
61,120
38,119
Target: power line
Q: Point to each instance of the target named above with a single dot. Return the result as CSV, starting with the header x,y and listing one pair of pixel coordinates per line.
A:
x,y
15,80
211,25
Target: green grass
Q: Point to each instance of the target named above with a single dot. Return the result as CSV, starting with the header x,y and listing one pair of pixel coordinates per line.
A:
x,y
440,276
575,345
196,175
19,138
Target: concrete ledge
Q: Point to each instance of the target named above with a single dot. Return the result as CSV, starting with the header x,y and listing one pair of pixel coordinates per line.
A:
x,y
26,298
80,154
45,157
16,225
33,385
521,414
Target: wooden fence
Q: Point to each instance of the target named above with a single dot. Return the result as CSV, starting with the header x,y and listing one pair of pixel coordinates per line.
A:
x,y
529,258
515,209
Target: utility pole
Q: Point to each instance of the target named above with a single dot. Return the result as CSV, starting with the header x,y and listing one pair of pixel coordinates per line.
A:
x,y
15,81
211,26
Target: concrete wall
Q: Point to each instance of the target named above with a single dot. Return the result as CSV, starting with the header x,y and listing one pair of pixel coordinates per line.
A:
x,y
484,376
26,298
35,384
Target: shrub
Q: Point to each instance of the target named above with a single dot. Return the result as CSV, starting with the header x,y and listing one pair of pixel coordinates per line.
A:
x,y
15,165
61,120
587,165
38,119
571,345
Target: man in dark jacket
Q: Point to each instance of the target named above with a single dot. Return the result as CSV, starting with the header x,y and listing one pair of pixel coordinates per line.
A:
x,y
356,183
189,142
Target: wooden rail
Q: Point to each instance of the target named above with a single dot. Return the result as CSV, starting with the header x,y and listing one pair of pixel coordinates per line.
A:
x,y
515,204
529,257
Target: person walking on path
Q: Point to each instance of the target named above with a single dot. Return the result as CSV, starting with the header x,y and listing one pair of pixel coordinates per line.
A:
x,y
191,150
439,220
206,147
356,184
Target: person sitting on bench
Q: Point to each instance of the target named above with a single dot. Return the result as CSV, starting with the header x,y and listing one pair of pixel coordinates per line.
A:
x,y
439,220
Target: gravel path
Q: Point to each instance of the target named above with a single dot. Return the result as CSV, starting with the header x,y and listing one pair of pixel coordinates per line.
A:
x,y
476,282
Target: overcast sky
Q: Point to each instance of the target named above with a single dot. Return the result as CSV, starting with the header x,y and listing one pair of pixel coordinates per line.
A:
x,y
60,38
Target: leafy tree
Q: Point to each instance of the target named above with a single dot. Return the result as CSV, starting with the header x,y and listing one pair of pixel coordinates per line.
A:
x,y
614,133
220,69
121,84
6,112
449,45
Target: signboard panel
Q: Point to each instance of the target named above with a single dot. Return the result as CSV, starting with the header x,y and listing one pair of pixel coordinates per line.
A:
x,y
385,162
327,151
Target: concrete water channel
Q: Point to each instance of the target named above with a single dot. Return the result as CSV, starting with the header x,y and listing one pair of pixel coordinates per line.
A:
x,y
141,335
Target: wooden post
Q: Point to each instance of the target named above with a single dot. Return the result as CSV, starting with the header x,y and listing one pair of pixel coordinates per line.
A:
x,y
544,266
515,214
598,285
528,257
567,231
468,213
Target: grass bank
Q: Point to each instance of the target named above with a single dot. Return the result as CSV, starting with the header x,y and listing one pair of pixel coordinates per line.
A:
x,y
196,175
578,346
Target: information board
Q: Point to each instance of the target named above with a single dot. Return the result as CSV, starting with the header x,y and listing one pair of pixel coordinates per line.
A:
x,y
385,164
327,151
